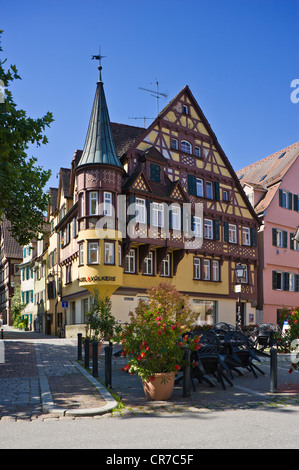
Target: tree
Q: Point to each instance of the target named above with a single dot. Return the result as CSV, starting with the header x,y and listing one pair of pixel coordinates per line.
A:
x,y
22,197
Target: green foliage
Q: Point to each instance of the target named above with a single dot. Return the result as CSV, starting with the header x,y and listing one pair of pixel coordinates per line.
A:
x,y
292,317
22,199
17,307
100,323
154,339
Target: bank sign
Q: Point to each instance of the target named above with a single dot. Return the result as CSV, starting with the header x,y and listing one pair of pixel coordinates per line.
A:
x,y
97,278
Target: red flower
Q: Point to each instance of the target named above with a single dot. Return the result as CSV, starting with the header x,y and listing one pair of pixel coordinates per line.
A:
x,y
152,378
177,367
127,367
180,343
186,337
159,332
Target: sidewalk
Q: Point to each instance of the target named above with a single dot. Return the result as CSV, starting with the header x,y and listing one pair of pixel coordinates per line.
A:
x,y
40,375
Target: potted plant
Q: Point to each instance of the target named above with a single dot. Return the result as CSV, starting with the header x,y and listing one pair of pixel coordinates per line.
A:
x,y
100,322
154,342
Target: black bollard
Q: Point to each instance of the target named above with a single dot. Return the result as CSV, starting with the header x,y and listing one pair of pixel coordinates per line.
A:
x,y
86,350
95,359
273,370
108,365
79,346
187,374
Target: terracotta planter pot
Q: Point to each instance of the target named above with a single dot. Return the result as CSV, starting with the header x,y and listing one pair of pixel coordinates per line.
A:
x,y
160,388
99,349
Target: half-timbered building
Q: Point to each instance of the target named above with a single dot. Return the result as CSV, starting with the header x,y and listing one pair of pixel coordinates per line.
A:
x,y
151,205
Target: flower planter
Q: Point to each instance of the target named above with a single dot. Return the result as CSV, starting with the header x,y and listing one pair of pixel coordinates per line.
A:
x,y
99,349
160,388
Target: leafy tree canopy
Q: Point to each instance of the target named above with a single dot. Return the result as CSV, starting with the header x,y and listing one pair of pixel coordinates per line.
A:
x,y
22,197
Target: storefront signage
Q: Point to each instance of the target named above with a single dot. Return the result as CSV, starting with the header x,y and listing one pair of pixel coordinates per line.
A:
x,y
97,278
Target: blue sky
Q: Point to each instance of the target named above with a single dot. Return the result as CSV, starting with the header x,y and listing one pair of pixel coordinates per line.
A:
x,y
238,57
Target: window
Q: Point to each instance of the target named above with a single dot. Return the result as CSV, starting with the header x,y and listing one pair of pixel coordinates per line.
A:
x,y
225,195
155,173
158,214
209,190
68,273
279,238
197,151
199,187
186,147
148,267
165,267
81,254
185,109
93,203
246,236
109,257
130,262
93,252
197,227
174,144
285,199
107,204
232,233
140,210
208,229
196,268
215,270
119,255
206,270
292,283
82,205
176,217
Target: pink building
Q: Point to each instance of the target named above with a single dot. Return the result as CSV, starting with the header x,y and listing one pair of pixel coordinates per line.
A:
x,y
272,186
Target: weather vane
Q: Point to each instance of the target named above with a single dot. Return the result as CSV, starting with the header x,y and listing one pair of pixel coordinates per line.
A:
x,y
99,57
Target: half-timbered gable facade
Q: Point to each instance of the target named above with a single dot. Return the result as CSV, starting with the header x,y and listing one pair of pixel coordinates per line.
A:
x,y
161,204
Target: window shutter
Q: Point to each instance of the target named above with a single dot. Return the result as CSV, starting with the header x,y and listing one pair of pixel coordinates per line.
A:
x,y
253,236
274,280
225,232
296,282
131,201
285,239
280,197
216,191
274,236
290,196
286,281
192,185
216,228
295,203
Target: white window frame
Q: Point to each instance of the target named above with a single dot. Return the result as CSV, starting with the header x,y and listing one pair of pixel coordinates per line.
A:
x,y
93,201
176,217
209,190
140,209
246,236
130,262
109,253
107,199
199,187
208,229
285,201
197,151
148,264
174,143
215,270
165,266
93,248
197,226
196,268
81,254
232,233
186,147
158,214
292,280
206,270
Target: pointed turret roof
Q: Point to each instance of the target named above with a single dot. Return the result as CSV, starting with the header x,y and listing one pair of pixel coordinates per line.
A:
x,y
99,144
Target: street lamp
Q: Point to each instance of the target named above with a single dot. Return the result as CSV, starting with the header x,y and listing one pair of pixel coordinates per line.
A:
x,y
240,274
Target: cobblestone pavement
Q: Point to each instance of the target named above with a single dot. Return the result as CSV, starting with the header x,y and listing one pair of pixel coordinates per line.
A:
x,y
36,366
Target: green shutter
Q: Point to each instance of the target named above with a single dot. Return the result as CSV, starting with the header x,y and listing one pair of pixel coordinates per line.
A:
x,y
192,185
274,236
285,239
225,232
216,191
295,206
290,196
292,241
286,281
253,236
280,197
216,227
274,280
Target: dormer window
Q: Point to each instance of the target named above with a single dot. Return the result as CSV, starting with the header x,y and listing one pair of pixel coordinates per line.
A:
x,y
186,147
155,173
185,109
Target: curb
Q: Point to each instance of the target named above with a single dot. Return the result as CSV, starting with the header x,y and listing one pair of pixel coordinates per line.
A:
x,y
47,402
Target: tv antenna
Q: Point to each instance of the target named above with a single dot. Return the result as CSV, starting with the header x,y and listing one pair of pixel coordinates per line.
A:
x,y
155,94
144,119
